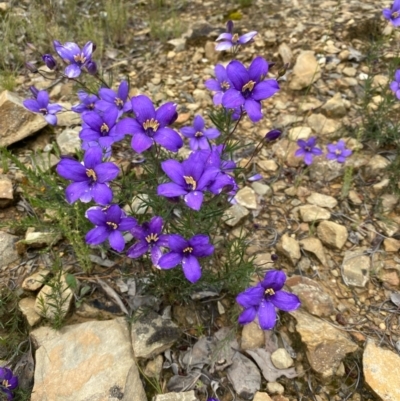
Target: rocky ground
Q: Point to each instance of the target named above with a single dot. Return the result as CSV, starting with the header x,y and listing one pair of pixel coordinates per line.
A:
x,y
340,252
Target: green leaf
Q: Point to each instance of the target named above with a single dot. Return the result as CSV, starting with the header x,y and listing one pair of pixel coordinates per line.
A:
x,y
71,281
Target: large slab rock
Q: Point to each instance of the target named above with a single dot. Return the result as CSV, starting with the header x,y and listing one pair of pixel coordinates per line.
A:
x,y
84,362
326,345
16,122
8,253
382,372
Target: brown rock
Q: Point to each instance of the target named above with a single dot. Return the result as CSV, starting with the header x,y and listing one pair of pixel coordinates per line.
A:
x,y
252,336
322,125
305,72
312,213
27,307
391,244
35,280
314,246
259,396
332,234
290,248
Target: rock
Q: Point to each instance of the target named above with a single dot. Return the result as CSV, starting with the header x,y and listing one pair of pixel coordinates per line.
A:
x,y
389,227
39,240
35,280
151,335
281,359
27,308
312,213
381,369
154,367
297,133
68,118
244,376
252,336
322,125
322,200
184,396
210,52
133,390
16,122
349,71
54,299
335,107
332,234
139,205
6,191
314,246
286,53
179,44
88,361
285,150
355,268
247,198
275,388
262,397
305,72
390,279
326,345
379,82
68,141
389,201
8,252
290,248
375,166
234,214
312,296
326,170
355,197
268,165
391,245
45,161
261,189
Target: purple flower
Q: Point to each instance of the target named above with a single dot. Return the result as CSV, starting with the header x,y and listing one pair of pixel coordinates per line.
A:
x,y
72,54
110,222
393,14
94,144
220,85
101,127
90,178
229,40
118,100
262,300
8,382
338,152
249,87
186,252
395,85
41,105
48,59
87,102
198,135
272,135
150,125
150,238
308,150
190,178
91,67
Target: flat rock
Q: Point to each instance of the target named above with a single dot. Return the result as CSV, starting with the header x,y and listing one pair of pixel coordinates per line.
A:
x,y
247,198
305,72
88,361
322,125
244,376
382,371
260,396
6,191
311,213
27,308
297,133
322,200
332,234
290,248
184,396
355,268
335,107
68,141
35,280
41,239
314,246
326,345
375,166
8,252
252,336
16,122
151,335
234,214
312,296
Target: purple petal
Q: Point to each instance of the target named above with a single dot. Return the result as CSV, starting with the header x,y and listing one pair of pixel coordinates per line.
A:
x,y
43,99
101,193
247,316
285,301
253,109
220,73
71,170
247,37
78,190
266,315
106,172
265,89
188,132
114,213
316,151
224,36
232,98
129,126
107,94
387,13
96,216
117,241
251,297
32,105
143,108
212,85
258,67
123,90
93,157
397,75
88,50
138,249
72,71
51,119
237,74
169,139
274,279
170,190
97,235
141,142
211,133
198,123
191,268
308,158
217,98
300,152
166,114
194,199
174,171
127,223
155,255
177,243
155,224
170,260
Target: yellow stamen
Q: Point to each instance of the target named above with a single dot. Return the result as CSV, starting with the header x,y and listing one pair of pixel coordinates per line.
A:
x,y
249,86
395,14
104,128
79,58
198,134
153,237
235,38
225,85
269,291
113,225
190,181
153,124
189,249
118,101
91,173
5,383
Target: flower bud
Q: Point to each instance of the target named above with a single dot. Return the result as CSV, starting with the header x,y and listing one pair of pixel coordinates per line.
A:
x,y
31,67
91,67
34,91
272,135
229,26
49,61
274,257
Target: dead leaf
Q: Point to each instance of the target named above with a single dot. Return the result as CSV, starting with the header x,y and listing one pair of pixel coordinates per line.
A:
x,y
113,295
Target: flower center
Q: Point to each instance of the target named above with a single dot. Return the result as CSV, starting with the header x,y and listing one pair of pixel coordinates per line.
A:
x,y
91,174
104,128
338,152
249,86
5,383
198,134
190,181
114,226
153,124
43,111
225,85
269,291
188,249
307,148
395,14
235,38
119,102
91,106
80,58
153,237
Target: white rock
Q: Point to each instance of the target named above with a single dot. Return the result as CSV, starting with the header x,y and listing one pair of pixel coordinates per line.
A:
x,y
281,359
247,198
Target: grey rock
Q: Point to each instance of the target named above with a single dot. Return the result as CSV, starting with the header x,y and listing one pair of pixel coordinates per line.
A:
x,y
335,107
355,268
16,122
322,125
35,280
68,141
185,396
151,335
41,239
261,189
234,214
154,367
88,361
134,390
8,253
244,376
297,133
